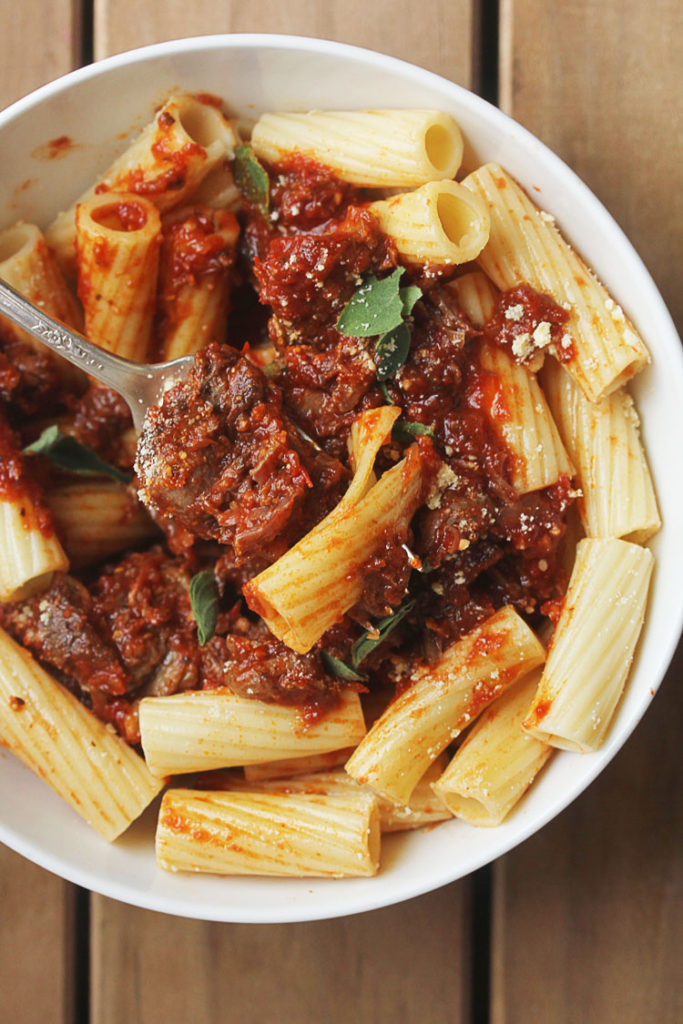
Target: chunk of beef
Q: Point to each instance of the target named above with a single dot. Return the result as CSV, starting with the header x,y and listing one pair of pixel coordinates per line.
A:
x,y
220,460
98,419
216,458
58,626
143,604
262,667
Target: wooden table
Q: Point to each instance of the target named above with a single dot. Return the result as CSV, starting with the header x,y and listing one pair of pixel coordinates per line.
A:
x,y
582,923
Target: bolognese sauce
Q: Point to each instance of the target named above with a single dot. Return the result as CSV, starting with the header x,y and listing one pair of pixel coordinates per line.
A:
x,y
247,455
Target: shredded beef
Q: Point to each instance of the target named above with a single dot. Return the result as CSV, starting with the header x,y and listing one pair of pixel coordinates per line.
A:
x,y
221,461
98,419
59,627
143,603
262,667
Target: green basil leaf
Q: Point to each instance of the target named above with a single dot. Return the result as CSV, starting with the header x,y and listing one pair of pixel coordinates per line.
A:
x,y
392,351
372,638
251,178
204,601
339,668
404,431
385,392
409,296
374,309
68,454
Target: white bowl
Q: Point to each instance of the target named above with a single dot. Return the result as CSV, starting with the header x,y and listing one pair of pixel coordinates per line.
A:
x,y
99,105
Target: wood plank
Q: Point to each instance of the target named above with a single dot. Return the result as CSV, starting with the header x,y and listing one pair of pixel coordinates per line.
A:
x,y
588,915
601,84
402,963
37,942
442,44
368,967
39,42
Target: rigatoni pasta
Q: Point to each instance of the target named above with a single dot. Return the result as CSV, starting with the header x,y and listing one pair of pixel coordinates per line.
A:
x,y
94,770
95,519
440,223
374,148
521,414
526,246
30,550
441,701
617,496
268,834
497,763
197,254
593,645
185,141
117,243
190,732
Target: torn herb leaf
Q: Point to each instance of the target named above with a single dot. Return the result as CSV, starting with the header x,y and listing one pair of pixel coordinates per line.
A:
x,y
66,453
339,668
204,602
374,309
385,392
251,178
409,296
392,351
372,638
405,431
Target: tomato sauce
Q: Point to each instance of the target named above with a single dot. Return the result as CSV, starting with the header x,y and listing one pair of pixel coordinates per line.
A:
x,y
246,457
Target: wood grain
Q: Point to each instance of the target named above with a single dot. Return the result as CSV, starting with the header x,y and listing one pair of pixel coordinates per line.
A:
x,y
441,43
600,83
37,942
588,915
40,41
405,963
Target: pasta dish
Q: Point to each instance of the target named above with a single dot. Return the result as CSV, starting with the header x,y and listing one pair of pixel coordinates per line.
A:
x,y
378,556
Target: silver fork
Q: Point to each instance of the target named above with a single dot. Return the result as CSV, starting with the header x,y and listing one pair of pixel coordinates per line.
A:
x,y
141,385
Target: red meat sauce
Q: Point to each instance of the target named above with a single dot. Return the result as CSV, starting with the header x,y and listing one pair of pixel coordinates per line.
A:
x,y
519,314
304,196
197,245
131,633
237,466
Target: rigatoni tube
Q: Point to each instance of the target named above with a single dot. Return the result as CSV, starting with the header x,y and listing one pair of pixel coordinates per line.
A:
x,y
593,645
525,247
81,758
268,834
197,253
30,551
441,701
439,224
198,731
186,139
617,495
97,518
519,413
497,763
118,239
374,148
